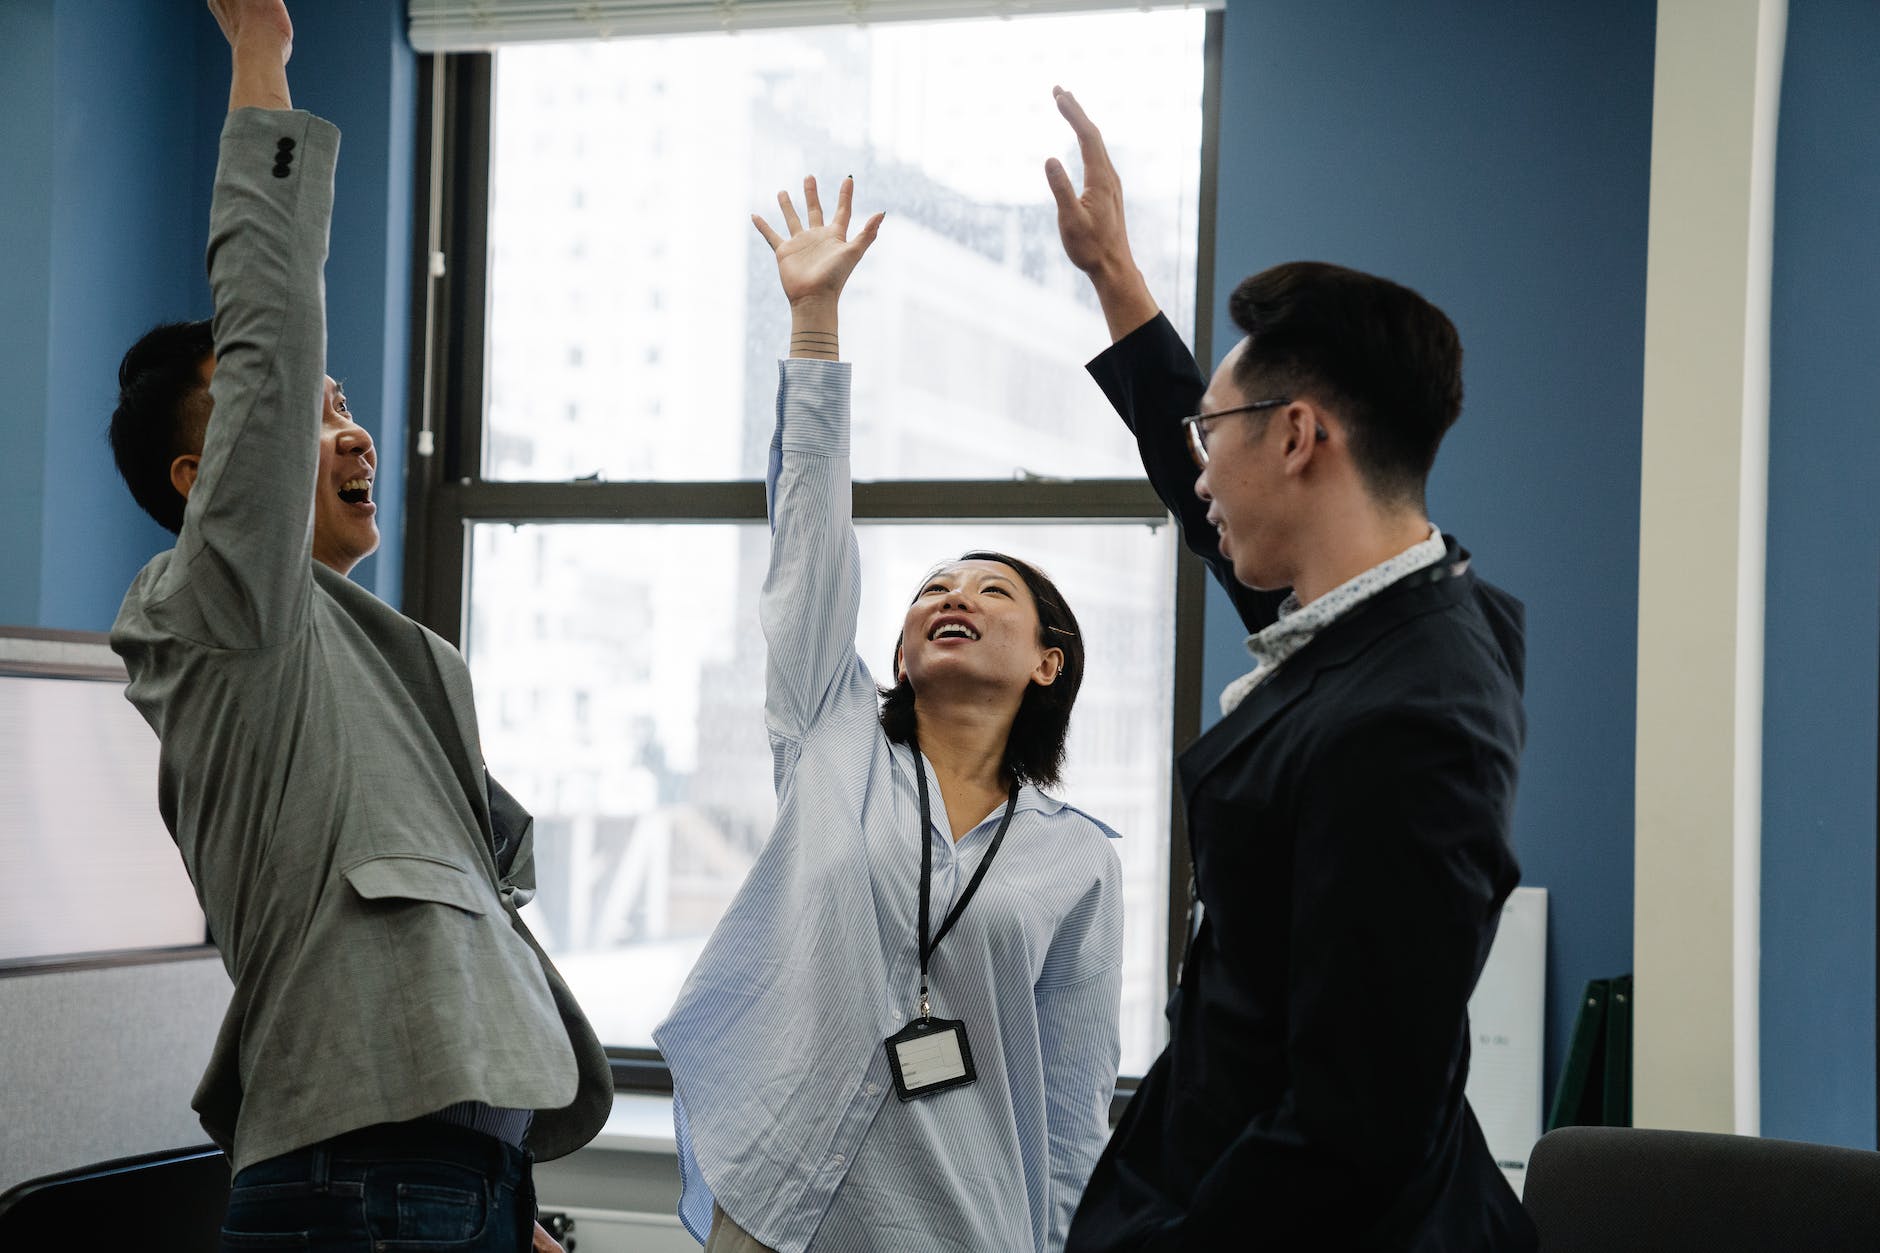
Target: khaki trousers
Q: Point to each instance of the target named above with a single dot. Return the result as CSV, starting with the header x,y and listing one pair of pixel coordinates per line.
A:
x,y
727,1237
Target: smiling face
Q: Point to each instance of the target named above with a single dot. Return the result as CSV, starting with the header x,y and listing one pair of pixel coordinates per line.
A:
x,y
345,529
345,526
973,625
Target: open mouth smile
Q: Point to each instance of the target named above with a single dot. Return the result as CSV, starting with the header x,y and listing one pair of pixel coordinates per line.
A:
x,y
952,631
356,491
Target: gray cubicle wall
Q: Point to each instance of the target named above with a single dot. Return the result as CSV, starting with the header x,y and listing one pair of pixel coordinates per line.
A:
x,y
109,999
100,1060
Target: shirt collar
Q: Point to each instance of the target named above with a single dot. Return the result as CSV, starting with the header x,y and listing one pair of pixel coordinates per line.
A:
x,y
1296,619
1298,623
1030,798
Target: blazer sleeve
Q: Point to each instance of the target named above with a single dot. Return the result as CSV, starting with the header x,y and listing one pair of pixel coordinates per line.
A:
x,y
242,575
1401,865
1153,382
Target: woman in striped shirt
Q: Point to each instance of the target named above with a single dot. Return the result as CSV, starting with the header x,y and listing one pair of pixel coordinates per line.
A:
x,y
833,1091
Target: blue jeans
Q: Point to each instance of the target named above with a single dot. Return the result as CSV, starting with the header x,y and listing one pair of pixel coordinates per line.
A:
x,y
418,1186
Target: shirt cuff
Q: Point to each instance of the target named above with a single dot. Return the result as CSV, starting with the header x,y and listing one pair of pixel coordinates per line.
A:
x,y
813,406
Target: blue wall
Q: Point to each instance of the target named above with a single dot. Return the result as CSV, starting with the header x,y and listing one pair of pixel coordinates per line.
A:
x,y
1822,677
125,254
1497,159
26,93
110,131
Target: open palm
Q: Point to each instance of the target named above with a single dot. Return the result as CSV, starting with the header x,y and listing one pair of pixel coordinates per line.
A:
x,y
816,258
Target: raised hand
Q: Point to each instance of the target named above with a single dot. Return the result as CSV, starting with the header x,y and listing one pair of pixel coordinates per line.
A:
x,y
817,258
1090,224
261,38
814,263
255,19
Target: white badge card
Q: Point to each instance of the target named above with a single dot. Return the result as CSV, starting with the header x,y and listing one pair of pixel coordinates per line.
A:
x,y
930,1055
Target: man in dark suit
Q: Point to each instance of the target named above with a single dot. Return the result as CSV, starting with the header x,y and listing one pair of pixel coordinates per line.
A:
x,y
1349,814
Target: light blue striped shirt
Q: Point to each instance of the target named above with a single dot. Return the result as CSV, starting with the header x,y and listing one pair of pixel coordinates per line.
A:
x,y
784,1107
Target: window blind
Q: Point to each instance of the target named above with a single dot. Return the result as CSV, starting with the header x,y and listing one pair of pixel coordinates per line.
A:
x,y
483,25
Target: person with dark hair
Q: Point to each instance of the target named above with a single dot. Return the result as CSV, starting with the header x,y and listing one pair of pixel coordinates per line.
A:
x,y
397,1049
1349,814
162,413
903,1035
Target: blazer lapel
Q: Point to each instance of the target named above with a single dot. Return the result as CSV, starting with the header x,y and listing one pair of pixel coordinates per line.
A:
x,y
465,749
1248,719
1436,588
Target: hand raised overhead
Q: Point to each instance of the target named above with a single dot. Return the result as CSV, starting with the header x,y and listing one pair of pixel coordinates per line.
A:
x,y
816,259
255,19
260,38
1090,224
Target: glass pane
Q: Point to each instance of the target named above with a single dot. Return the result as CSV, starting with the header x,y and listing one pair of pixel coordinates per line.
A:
x,y
634,316
619,673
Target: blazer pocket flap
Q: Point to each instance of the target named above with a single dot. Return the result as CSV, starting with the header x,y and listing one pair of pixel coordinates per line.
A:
x,y
398,877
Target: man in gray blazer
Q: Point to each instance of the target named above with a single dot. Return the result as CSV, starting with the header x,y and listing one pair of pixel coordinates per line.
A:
x,y
398,1048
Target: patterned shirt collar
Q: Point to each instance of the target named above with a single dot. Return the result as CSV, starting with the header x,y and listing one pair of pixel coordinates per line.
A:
x,y
1298,624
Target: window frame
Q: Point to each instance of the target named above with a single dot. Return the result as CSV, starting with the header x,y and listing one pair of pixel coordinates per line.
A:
x,y
446,492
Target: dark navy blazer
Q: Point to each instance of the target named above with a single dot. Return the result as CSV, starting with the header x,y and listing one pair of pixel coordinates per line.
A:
x,y
1349,823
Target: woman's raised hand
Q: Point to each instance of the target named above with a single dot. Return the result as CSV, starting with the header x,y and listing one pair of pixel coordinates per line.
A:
x,y
817,257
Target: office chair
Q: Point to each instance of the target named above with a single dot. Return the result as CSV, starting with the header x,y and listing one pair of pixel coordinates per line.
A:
x,y
170,1202
1629,1190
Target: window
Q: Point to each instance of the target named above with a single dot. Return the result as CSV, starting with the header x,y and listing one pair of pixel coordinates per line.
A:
x,y
591,527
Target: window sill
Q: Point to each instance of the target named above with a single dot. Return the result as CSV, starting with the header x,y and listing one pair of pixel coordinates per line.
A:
x,y
641,1122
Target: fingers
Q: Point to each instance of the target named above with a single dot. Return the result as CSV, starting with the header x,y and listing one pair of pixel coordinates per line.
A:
x,y
789,213
1089,138
845,198
1062,190
770,236
870,229
812,203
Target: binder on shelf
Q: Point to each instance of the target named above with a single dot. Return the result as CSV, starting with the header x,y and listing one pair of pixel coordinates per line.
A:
x,y
1595,1087
1617,1088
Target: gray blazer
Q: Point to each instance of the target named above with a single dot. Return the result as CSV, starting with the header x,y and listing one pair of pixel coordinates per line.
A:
x,y
320,764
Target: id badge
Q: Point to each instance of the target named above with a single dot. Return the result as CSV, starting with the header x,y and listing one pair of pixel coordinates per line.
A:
x,y
930,1055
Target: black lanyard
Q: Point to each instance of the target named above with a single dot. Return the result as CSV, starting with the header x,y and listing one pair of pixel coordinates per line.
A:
x,y
926,871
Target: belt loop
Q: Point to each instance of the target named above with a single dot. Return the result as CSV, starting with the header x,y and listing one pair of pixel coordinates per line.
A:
x,y
322,1170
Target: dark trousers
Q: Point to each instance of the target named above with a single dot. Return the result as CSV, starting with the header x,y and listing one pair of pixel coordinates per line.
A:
x,y
413,1186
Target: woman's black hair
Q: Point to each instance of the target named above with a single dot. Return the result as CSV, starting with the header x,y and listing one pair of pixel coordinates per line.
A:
x,y
1034,747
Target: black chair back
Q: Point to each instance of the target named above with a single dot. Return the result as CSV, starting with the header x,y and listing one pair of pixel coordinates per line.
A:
x,y
169,1202
1629,1190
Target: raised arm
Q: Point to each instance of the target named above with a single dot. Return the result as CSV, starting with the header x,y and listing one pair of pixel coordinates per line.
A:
x,y
812,594
1148,374
260,37
244,552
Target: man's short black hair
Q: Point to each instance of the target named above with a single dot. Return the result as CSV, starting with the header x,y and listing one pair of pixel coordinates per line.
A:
x,y
1385,359
161,411
1034,747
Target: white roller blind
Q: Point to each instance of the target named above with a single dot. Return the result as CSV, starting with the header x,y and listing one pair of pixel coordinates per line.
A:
x,y
481,25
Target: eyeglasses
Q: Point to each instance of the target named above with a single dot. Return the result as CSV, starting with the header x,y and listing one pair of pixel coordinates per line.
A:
x,y
1198,436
